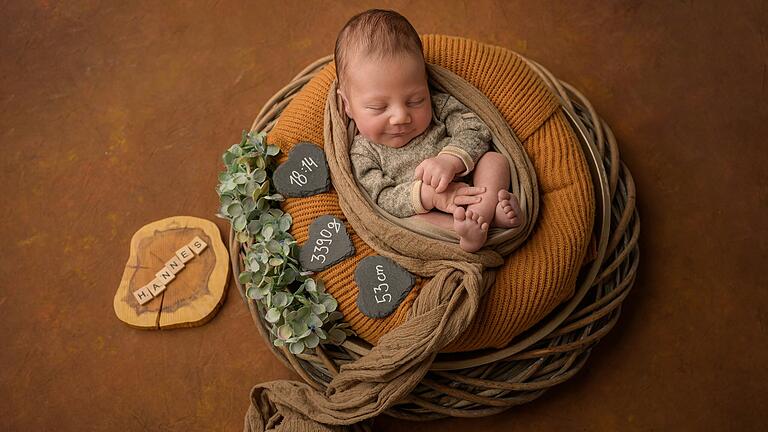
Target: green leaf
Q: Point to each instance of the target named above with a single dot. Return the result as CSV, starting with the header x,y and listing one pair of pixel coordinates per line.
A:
x,y
300,329
254,227
240,178
274,247
273,315
250,188
227,186
318,308
311,340
272,150
262,204
285,222
289,275
314,322
239,223
242,236
267,232
235,209
228,157
280,300
296,347
284,331
245,277
259,175
330,304
248,204
260,162
310,285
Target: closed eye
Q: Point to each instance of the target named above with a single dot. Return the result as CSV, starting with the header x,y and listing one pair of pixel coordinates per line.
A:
x,y
416,102
375,108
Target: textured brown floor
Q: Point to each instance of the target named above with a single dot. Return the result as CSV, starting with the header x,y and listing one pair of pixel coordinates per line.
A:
x,y
115,114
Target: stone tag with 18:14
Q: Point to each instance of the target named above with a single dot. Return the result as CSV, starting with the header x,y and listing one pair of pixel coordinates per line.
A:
x,y
328,244
305,173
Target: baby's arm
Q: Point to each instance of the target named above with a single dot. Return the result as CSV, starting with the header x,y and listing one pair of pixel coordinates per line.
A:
x,y
401,199
455,194
469,137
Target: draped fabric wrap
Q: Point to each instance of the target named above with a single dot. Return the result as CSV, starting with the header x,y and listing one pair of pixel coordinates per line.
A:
x,y
446,305
461,301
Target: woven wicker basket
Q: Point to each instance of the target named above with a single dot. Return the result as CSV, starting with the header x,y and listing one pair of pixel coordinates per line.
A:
x,y
486,382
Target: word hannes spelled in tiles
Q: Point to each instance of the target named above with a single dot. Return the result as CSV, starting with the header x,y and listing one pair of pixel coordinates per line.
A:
x,y
169,271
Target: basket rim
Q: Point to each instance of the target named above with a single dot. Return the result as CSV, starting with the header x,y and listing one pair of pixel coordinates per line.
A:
x,y
615,230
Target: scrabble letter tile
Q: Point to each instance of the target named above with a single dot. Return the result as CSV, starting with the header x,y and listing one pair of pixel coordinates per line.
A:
x,y
164,276
174,264
185,254
197,244
142,295
156,287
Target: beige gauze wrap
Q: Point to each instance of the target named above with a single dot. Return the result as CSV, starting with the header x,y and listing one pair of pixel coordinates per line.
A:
x,y
444,308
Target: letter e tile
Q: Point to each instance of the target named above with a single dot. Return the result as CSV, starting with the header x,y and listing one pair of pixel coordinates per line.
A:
x,y
185,254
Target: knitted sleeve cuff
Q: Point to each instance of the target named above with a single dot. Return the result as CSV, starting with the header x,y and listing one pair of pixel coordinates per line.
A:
x,y
462,154
416,198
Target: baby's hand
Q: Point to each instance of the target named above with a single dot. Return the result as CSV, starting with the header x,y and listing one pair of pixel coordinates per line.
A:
x,y
456,194
439,171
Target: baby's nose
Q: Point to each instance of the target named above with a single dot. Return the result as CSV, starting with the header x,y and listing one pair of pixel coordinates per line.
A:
x,y
400,116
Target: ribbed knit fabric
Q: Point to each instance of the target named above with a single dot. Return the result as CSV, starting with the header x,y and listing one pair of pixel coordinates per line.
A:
x,y
536,277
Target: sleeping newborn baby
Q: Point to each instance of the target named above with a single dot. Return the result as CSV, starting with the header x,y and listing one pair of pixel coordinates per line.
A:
x,y
413,143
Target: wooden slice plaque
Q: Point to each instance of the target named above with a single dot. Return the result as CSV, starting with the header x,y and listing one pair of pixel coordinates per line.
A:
x,y
196,292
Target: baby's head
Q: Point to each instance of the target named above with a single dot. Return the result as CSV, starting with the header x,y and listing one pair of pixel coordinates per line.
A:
x,y
383,78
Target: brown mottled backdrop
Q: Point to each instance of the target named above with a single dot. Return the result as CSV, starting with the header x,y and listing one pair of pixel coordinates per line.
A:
x,y
115,114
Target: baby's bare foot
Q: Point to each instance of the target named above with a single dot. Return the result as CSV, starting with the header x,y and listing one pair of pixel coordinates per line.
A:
x,y
508,214
471,228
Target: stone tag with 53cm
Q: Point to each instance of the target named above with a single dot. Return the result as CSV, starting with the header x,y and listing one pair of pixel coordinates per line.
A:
x,y
382,285
305,173
328,244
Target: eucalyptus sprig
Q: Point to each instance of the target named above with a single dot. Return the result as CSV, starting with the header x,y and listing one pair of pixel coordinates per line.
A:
x,y
299,313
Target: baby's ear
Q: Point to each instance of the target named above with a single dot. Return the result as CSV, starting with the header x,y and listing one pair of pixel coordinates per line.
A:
x,y
345,102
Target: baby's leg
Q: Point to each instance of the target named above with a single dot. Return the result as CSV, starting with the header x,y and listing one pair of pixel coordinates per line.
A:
x,y
498,206
491,171
471,232
436,217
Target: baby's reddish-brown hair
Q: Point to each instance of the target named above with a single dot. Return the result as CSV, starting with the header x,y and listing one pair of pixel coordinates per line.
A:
x,y
378,33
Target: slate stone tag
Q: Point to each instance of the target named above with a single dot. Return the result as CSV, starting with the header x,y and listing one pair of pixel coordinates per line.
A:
x,y
328,243
382,285
305,173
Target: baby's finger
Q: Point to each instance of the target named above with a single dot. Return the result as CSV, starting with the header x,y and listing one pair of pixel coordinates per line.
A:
x,y
470,190
466,199
425,177
442,184
418,173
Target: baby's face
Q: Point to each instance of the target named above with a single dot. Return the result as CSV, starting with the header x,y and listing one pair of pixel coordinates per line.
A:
x,y
388,98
